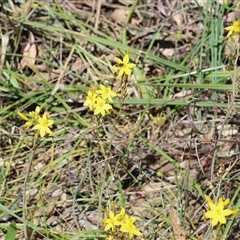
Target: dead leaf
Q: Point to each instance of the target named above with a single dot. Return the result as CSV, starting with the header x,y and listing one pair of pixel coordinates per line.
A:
x,y
167,52
77,65
176,224
119,15
230,17
178,18
29,53
234,15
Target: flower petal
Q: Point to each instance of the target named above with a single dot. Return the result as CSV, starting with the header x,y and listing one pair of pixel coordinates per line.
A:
x,y
228,28
226,202
42,132
128,71
220,204
212,206
235,212
36,127
48,130
50,122
214,222
21,115
208,199
229,33
209,214
222,219
137,233
227,212
108,226
121,72
131,65
37,110
118,60
126,59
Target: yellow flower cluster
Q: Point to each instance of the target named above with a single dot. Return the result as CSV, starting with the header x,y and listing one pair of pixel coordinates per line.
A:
x,y
217,212
97,100
120,223
40,124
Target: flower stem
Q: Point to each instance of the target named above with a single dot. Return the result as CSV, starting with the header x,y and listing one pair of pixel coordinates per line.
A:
x,y
25,189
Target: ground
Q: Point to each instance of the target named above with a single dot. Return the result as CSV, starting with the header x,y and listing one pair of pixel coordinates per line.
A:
x,y
170,138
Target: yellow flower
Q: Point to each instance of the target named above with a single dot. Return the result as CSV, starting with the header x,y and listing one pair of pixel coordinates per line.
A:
x,y
101,107
120,216
90,99
33,117
234,28
128,226
217,212
111,221
124,65
106,93
97,100
43,125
